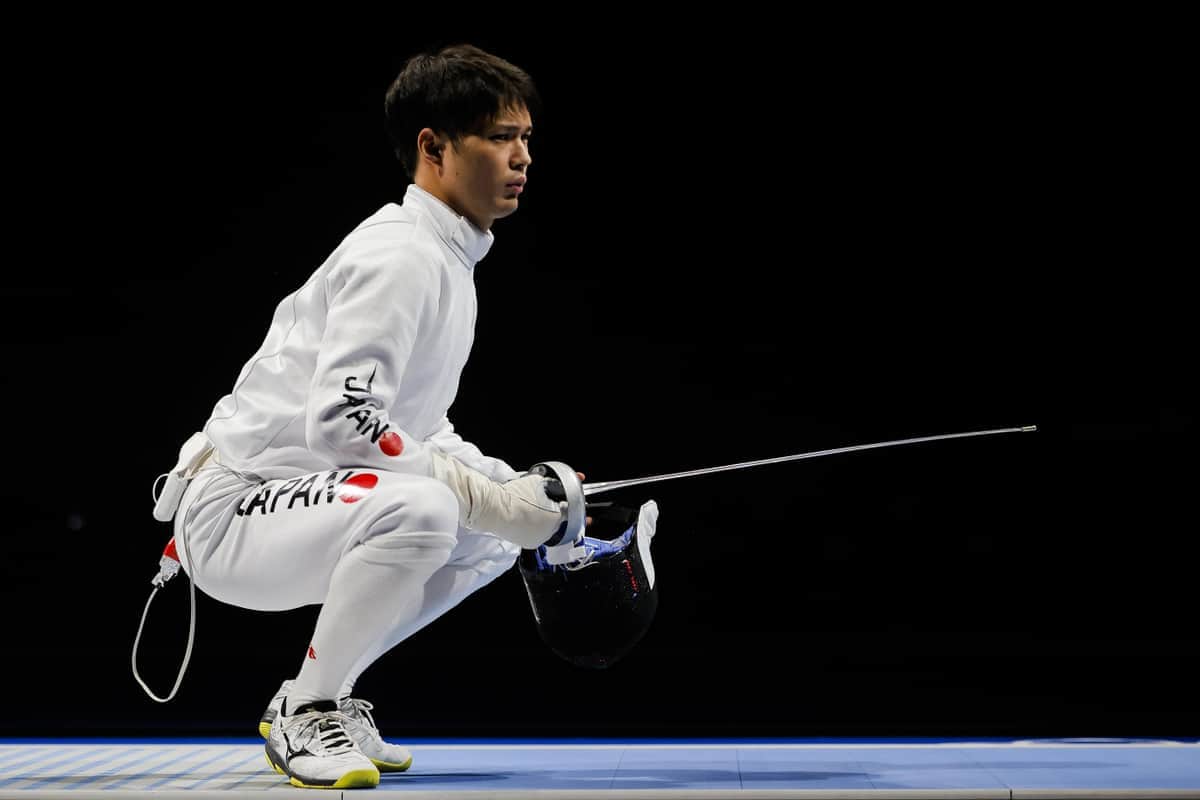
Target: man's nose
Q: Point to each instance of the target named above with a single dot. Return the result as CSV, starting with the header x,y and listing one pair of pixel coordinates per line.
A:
x,y
521,158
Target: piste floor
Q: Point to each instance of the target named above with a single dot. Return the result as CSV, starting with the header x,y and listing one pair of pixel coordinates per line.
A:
x,y
1069,768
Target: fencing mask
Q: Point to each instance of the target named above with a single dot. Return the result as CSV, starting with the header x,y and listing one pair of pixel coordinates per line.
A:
x,y
592,611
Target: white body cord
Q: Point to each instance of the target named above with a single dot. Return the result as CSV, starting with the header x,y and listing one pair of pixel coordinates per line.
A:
x,y
187,656
194,453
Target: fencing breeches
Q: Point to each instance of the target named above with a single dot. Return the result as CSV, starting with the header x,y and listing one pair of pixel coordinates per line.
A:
x,y
381,552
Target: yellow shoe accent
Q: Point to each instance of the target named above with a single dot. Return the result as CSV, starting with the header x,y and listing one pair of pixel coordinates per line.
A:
x,y
273,766
264,729
384,766
355,779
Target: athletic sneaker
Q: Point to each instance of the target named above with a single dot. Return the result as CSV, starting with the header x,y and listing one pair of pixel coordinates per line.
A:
x,y
387,757
268,717
359,723
313,749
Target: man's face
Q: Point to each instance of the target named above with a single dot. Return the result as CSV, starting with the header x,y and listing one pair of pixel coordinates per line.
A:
x,y
485,172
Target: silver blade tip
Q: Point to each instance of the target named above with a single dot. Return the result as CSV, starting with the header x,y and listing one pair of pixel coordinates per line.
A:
x,y
1029,429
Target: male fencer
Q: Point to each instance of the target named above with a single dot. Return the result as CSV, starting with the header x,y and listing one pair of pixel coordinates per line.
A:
x,y
330,474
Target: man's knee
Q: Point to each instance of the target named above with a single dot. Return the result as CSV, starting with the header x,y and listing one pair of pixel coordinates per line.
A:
x,y
414,523
433,507
419,505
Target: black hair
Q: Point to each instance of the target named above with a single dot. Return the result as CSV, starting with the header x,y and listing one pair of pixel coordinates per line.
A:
x,y
455,91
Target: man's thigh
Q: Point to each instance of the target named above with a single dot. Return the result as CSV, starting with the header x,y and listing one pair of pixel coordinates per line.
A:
x,y
274,545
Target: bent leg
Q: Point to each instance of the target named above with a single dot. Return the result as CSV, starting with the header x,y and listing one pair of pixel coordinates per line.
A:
x,y
360,542
477,560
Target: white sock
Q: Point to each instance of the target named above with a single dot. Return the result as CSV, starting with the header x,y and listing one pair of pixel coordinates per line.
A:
x,y
378,585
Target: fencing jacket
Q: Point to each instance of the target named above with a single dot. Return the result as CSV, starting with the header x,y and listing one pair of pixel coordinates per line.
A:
x,y
362,362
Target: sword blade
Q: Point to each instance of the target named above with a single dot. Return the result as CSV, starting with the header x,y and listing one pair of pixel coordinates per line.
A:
x,y
608,486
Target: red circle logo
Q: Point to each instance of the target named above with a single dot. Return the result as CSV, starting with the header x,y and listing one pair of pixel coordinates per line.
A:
x,y
391,444
356,487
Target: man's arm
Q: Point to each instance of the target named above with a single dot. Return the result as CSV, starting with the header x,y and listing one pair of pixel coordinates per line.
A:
x,y
450,443
376,307
375,312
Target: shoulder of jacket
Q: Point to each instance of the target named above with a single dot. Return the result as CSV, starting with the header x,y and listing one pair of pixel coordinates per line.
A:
x,y
404,256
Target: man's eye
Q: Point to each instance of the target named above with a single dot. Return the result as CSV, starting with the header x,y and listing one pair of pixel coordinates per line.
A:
x,y
501,137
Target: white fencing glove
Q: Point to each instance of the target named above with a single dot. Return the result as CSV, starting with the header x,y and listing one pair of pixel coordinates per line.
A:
x,y
518,510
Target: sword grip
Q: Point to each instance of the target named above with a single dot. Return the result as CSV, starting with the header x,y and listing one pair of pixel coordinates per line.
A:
x,y
554,488
562,484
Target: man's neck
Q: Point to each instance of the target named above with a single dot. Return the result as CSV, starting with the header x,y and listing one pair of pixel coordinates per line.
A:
x,y
430,185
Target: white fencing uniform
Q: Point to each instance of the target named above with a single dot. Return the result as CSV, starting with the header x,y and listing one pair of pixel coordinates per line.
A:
x,y
362,362
321,490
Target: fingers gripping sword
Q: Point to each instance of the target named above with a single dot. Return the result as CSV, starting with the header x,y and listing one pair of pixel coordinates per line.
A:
x,y
608,486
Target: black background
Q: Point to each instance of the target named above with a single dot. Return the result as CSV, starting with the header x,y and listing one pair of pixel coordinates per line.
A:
x,y
742,238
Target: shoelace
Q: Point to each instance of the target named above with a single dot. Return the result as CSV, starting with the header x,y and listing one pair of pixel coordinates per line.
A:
x,y
362,709
329,730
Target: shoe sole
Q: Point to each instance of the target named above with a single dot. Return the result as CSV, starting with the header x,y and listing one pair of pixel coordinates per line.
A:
x,y
384,766
264,730
267,720
354,779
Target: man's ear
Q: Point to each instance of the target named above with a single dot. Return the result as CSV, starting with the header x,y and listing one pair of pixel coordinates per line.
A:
x,y
430,146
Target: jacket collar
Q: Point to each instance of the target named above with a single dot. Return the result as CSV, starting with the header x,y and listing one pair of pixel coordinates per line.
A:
x,y
469,242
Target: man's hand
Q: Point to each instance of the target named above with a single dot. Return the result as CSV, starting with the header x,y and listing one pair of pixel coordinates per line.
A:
x,y
556,492
519,510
